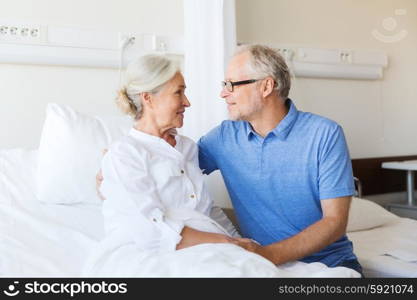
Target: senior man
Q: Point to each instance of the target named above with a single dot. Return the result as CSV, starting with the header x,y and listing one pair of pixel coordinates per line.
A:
x,y
288,172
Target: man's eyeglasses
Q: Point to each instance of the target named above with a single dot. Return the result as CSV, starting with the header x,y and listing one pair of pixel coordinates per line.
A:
x,y
230,84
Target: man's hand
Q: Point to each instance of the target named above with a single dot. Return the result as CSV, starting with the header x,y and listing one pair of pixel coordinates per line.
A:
x,y
252,246
99,180
247,244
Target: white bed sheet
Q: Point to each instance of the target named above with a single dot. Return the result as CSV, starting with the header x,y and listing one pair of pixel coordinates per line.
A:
x,y
388,251
40,240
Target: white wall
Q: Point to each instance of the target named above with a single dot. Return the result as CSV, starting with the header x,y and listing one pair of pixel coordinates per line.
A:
x,y
25,90
379,117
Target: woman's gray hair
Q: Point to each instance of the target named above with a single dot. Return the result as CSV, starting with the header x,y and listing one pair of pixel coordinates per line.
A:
x,y
265,61
148,73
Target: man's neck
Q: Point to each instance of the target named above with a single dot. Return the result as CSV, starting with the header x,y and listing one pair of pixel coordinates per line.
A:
x,y
269,117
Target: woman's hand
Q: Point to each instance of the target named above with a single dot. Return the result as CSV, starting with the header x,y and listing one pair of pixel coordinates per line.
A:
x,y
99,180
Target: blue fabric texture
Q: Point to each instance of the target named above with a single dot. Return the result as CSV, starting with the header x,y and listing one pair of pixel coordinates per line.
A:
x,y
352,264
276,182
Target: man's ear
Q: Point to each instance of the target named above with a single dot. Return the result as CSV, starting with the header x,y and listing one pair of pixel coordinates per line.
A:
x,y
268,86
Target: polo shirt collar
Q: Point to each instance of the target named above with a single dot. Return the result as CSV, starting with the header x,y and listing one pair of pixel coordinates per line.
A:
x,y
285,125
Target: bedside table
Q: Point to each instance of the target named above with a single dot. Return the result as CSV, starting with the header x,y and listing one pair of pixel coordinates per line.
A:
x,y
408,210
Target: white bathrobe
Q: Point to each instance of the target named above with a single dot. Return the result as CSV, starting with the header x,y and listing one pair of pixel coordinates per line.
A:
x,y
152,188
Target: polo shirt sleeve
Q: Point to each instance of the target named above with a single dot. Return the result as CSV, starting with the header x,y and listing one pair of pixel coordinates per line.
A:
x,y
335,168
207,147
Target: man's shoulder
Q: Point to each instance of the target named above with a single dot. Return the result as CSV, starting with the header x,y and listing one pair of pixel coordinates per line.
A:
x,y
314,122
228,127
225,128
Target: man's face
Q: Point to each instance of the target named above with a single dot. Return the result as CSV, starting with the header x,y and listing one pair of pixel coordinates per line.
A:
x,y
245,101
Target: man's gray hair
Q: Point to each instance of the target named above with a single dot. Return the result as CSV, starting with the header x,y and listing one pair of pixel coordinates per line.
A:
x,y
265,61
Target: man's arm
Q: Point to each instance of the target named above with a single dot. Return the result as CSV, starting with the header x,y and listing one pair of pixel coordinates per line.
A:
x,y
312,239
207,150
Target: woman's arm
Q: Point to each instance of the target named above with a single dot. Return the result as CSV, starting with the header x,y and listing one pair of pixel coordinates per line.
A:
x,y
192,237
132,201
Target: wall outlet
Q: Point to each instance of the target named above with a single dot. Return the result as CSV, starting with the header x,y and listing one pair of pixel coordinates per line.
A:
x,y
20,33
346,56
287,53
126,40
153,42
161,44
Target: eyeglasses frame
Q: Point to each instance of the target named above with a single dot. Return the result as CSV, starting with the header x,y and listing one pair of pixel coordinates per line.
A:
x,y
236,83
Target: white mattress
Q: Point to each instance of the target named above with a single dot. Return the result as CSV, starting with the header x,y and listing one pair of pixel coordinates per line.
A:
x,y
40,240
388,251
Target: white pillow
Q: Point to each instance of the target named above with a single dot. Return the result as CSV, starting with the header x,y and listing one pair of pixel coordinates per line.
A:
x,y
70,153
365,214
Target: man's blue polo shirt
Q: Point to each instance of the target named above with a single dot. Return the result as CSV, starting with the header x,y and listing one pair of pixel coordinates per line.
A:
x,y
276,183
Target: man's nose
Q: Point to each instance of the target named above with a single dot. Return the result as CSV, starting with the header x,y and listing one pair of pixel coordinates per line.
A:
x,y
224,93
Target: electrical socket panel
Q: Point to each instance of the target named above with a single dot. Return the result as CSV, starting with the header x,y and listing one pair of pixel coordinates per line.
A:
x,y
161,44
126,40
20,33
346,56
152,42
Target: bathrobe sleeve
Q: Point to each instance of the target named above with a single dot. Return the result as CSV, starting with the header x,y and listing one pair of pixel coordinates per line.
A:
x,y
133,206
218,215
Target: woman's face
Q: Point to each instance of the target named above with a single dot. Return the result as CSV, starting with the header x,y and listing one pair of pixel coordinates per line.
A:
x,y
169,103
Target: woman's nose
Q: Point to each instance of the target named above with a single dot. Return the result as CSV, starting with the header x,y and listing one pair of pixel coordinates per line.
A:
x,y
186,102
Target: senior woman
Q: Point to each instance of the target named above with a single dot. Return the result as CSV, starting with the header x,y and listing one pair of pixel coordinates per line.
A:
x,y
154,189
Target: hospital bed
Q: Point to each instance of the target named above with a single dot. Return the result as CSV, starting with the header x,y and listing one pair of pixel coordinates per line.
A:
x,y
40,239
46,239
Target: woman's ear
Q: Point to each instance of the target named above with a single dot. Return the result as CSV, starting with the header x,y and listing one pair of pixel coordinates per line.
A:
x,y
146,98
268,86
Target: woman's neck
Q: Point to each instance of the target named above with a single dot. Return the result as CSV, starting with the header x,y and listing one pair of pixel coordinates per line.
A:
x,y
151,128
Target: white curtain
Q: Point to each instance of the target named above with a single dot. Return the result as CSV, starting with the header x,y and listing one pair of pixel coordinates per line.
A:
x,y
209,42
